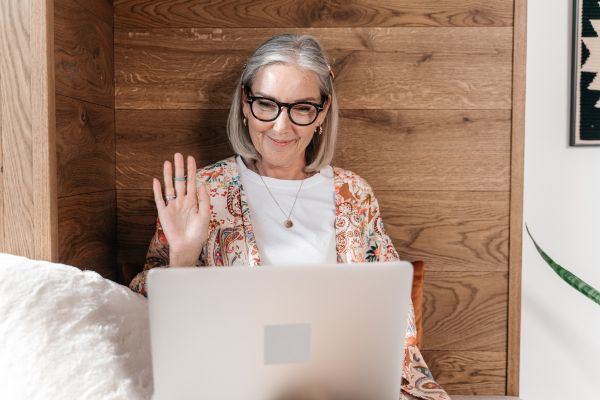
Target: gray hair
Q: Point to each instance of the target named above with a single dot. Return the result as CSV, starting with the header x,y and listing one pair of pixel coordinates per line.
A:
x,y
305,52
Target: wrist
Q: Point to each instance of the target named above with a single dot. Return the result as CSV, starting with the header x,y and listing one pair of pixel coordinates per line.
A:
x,y
183,259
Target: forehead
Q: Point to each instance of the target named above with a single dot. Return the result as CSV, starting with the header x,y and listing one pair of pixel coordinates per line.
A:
x,y
286,83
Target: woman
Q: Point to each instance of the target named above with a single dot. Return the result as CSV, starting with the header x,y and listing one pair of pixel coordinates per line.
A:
x,y
278,201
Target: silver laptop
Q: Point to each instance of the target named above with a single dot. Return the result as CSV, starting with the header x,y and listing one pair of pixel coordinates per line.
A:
x,y
331,332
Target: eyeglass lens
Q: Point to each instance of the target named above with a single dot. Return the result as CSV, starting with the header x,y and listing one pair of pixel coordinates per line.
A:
x,y
300,114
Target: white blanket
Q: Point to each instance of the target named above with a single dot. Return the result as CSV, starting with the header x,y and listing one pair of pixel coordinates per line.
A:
x,y
70,334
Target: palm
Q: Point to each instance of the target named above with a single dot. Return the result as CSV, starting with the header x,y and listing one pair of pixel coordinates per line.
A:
x,y
185,218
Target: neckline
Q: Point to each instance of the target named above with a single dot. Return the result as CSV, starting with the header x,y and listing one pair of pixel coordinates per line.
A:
x,y
323,174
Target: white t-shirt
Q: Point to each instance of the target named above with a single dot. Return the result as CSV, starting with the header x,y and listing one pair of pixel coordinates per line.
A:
x,y
312,238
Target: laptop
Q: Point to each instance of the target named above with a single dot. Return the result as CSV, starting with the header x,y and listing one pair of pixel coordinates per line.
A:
x,y
330,332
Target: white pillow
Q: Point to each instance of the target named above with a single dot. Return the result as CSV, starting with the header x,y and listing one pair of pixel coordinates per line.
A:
x,y
70,334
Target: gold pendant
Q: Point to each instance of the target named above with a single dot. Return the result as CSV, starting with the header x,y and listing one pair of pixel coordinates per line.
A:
x,y
288,223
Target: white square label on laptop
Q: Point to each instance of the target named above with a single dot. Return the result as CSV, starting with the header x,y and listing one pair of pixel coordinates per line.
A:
x,y
287,343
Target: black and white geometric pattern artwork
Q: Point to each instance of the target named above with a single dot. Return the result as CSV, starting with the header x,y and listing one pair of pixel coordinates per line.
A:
x,y
585,110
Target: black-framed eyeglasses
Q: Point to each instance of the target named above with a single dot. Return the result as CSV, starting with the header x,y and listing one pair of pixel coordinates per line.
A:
x,y
265,109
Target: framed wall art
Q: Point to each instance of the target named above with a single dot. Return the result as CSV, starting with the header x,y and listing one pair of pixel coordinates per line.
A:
x,y
585,82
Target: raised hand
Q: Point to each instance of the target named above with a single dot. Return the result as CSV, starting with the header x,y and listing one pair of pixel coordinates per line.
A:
x,y
184,212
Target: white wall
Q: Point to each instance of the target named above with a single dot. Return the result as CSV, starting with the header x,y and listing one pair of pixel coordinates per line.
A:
x,y
560,328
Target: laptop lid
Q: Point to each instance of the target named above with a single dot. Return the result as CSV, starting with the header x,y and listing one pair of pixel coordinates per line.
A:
x,y
275,333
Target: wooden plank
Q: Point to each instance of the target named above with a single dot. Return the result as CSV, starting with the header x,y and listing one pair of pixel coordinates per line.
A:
x,y
450,231
136,222
475,40
86,232
83,55
424,150
86,144
102,9
465,311
468,372
516,197
162,77
43,131
17,139
311,13
146,139
427,150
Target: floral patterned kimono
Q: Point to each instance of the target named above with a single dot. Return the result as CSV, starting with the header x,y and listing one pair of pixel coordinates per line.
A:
x,y
360,237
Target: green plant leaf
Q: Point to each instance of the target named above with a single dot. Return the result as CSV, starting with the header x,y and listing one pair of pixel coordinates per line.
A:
x,y
567,275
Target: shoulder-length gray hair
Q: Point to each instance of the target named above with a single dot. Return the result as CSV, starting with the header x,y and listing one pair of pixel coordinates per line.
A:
x,y
305,52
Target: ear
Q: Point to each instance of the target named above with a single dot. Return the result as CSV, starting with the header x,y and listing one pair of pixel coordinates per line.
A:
x,y
323,113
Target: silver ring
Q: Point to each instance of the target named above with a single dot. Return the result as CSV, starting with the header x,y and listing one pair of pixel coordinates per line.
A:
x,y
180,178
167,198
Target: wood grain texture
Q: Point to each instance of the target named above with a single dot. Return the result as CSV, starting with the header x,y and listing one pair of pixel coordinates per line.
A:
x,y
465,311
146,139
310,13
516,198
468,372
43,130
102,9
136,223
154,69
17,137
429,150
476,40
83,54
86,144
450,231
86,232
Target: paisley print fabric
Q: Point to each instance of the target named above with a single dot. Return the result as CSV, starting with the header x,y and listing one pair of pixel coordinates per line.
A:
x,y
360,237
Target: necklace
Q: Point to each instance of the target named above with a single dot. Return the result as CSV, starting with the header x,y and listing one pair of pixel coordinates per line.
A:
x,y
288,217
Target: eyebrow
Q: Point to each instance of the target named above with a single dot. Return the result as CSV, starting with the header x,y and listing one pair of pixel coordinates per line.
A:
x,y
310,99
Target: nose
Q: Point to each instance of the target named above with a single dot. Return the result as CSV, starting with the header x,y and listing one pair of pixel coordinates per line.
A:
x,y
282,123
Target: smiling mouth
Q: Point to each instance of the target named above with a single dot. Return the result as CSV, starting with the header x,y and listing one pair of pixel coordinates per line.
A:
x,y
280,142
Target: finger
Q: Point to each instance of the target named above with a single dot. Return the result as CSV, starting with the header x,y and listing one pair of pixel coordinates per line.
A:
x,y
168,178
158,197
179,173
191,174
203,199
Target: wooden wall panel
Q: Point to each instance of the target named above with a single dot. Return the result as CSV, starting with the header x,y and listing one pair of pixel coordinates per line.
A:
x,y
451,231
429,150
86,144
468,372
83,54
26,110
498,40
102,9
145,139
311,13
154,68
86,135
136,222
516,196
17,138
466,311
87,232
426,92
